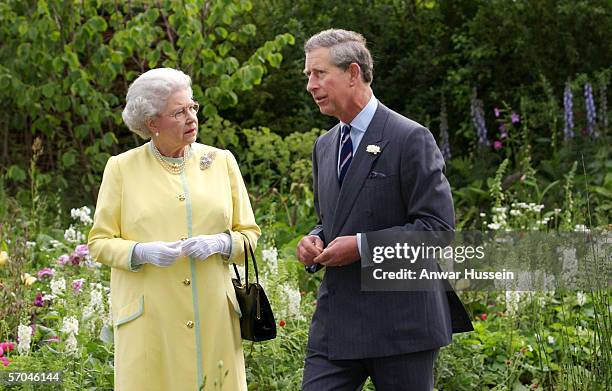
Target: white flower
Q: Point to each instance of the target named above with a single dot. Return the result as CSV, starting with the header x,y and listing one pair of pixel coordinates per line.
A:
x,y
551,340
581,228
530,348
270,256
95,308
581,298
30,244
82,214
494,226
483,214
71,347
373,149
292,298
515,212
24,336
58,286
513,299
73,236
48,297
70,325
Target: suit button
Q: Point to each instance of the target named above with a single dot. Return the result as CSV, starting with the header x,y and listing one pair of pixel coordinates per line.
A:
x,y
181,197
189,324
187,281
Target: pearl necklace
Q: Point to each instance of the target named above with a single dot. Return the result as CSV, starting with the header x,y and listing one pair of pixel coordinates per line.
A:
x,y
174,168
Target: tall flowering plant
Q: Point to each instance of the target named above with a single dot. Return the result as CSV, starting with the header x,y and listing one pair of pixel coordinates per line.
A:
x,y
444,139
568,104
478,119
589,102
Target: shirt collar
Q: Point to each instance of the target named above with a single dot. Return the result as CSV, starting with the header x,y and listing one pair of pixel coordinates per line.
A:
x,y
363,119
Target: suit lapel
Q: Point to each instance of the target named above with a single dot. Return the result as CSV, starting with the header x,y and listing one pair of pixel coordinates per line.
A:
x,y
359,168
328,175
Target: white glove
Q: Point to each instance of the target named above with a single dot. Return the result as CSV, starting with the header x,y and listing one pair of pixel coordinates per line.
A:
x,y
162,254
203,246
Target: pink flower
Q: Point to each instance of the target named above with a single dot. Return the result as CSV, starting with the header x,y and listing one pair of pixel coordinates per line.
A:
x,y
497,145
63,260
483,316
46,272
38,301
1,352
497,112
81,251
515,118
75,259
7,346
77,285
5,361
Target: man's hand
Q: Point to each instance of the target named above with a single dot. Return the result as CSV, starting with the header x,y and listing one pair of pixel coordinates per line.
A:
x,y
341,251
309,248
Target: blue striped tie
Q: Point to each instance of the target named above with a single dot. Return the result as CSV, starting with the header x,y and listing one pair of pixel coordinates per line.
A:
x,y
346,152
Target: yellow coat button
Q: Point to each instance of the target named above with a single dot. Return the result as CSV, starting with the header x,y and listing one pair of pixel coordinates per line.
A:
x,y
189,324
187,281
184,238
181,197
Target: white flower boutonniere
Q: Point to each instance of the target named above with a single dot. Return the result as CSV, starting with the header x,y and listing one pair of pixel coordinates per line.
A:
x,y
373,149
207,159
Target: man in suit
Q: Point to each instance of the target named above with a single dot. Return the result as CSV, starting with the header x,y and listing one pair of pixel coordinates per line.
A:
x,y
374,171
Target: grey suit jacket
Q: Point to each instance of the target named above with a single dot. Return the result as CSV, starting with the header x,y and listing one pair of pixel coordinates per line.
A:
x,y
401,188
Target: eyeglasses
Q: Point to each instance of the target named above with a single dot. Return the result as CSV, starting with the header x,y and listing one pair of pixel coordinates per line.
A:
x,y
181,115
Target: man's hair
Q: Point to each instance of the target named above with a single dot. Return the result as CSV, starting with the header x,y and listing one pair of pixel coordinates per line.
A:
x,y
345,47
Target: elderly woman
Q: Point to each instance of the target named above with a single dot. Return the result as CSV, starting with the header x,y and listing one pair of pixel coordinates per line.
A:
x,y
170,216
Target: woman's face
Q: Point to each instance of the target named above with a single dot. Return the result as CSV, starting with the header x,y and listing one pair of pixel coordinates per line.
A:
x,y
177,124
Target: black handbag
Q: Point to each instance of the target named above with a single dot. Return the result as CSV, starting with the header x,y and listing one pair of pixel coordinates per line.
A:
x,y
257,322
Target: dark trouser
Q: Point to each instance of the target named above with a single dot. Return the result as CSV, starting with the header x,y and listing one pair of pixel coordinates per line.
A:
x,y
406,372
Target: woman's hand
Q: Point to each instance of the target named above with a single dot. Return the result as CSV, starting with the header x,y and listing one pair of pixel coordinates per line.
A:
x,y
203,246
162,254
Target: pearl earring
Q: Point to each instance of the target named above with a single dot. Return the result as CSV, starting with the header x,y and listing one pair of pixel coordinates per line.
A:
x,y
156,134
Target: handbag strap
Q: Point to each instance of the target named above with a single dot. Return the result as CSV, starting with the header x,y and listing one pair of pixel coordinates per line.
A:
x,y
246,264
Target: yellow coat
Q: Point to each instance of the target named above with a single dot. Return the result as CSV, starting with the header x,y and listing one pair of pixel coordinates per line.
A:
x,y
174,327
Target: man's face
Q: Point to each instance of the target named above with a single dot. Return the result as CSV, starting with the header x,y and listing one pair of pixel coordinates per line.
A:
x,y
328,84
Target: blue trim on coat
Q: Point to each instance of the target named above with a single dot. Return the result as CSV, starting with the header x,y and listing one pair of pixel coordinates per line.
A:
x,y
134,315
194,284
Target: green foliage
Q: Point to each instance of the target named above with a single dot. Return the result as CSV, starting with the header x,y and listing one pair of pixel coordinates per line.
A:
x,y
66,67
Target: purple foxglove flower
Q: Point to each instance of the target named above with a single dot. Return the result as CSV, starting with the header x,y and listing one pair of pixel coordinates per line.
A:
x,y
497,145
478,120
590,109
603,107
515,118
568,130
46,272
444,142
81,250
497,112
503,135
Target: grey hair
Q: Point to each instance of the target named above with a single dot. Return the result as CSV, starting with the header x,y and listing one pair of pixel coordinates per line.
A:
x,y
148,94
345,47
